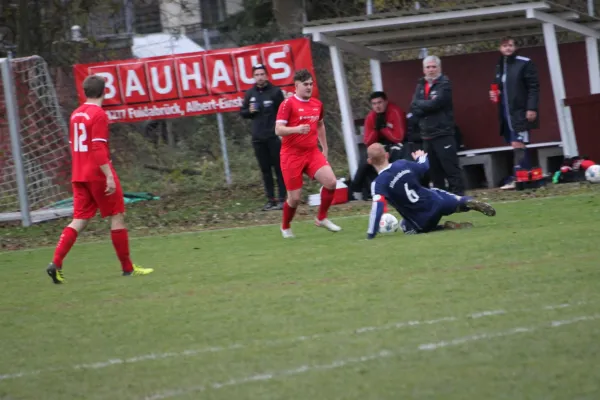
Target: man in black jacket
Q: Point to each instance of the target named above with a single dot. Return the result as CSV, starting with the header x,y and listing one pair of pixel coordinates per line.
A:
x,y
517,98
432,108
261,104
413,139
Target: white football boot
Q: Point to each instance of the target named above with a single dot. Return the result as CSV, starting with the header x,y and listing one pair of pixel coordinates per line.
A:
x,y
326,223
287,233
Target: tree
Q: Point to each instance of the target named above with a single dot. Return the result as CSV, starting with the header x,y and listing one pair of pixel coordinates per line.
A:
x,y
38,24
289,15
254,24
24,28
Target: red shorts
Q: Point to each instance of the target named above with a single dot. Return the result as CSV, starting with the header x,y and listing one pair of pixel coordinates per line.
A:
x,y
293,165
88,197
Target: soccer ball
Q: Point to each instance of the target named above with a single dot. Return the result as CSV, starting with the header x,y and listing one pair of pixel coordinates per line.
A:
x,y
592,174
388,224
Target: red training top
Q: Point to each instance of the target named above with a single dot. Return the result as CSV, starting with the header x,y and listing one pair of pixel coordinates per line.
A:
x,y
295,111
88,140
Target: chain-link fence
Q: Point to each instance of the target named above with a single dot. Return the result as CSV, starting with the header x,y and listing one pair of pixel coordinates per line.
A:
x,y
94,31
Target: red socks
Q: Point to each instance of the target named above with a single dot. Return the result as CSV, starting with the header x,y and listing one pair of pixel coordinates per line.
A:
x,y
288,215
119,237
326,200
65,242
120,240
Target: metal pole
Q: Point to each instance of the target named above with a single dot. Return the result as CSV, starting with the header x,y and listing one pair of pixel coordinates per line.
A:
x,y
593,64
591,45
12,114
128,14
304,16
348,129
563,113
423,52
374,65
220,124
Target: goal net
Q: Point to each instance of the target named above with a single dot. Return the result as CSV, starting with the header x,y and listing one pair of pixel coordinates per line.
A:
x,y
43,139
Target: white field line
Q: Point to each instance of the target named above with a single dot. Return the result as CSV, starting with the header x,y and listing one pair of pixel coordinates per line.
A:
x,y
205,231
167,394
276,342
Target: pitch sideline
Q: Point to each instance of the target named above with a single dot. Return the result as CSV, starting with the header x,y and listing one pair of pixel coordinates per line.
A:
x,y
205,231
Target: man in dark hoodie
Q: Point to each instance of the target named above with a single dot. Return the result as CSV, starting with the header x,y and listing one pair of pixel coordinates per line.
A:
x,y
261,103
433,110
517,98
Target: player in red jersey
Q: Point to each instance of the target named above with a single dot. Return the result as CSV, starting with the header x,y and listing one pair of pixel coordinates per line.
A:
x,y
301,127
95,183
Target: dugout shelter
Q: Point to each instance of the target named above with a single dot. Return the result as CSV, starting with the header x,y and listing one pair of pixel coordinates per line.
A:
x,y
377,36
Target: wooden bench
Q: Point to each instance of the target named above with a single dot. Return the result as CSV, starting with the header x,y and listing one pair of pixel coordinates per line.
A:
x,y
494,159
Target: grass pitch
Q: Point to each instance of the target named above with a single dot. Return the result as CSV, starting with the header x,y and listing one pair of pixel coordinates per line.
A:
x,y
507,310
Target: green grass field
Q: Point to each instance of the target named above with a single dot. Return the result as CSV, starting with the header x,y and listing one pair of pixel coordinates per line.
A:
x,y
507,310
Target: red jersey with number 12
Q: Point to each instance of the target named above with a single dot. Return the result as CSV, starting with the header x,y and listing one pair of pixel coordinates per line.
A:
x,y
88,125
294,112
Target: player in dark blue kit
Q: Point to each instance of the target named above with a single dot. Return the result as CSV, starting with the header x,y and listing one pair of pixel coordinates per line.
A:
x,y
421,208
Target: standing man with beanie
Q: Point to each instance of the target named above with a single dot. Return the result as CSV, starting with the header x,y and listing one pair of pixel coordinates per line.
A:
x,y
432,108
261,103
517,96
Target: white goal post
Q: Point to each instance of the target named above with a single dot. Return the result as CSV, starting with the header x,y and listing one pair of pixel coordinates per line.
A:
x,y
34,149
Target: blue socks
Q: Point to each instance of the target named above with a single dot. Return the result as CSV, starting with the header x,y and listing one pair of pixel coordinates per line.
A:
x,y
521,159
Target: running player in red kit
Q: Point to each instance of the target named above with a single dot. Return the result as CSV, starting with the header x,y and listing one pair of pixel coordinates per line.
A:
x,y
301,127
95,183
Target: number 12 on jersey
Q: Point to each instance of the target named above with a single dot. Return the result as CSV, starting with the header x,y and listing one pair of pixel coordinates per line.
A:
x,y
79,138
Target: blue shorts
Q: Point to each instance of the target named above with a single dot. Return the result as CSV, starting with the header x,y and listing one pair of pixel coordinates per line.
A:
x,y
521,137
446,203
509,134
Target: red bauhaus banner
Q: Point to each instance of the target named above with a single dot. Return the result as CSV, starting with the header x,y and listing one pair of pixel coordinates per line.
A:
x,y
193,83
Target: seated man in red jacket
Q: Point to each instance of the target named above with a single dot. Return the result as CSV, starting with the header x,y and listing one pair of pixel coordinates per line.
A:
x,y
385,124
